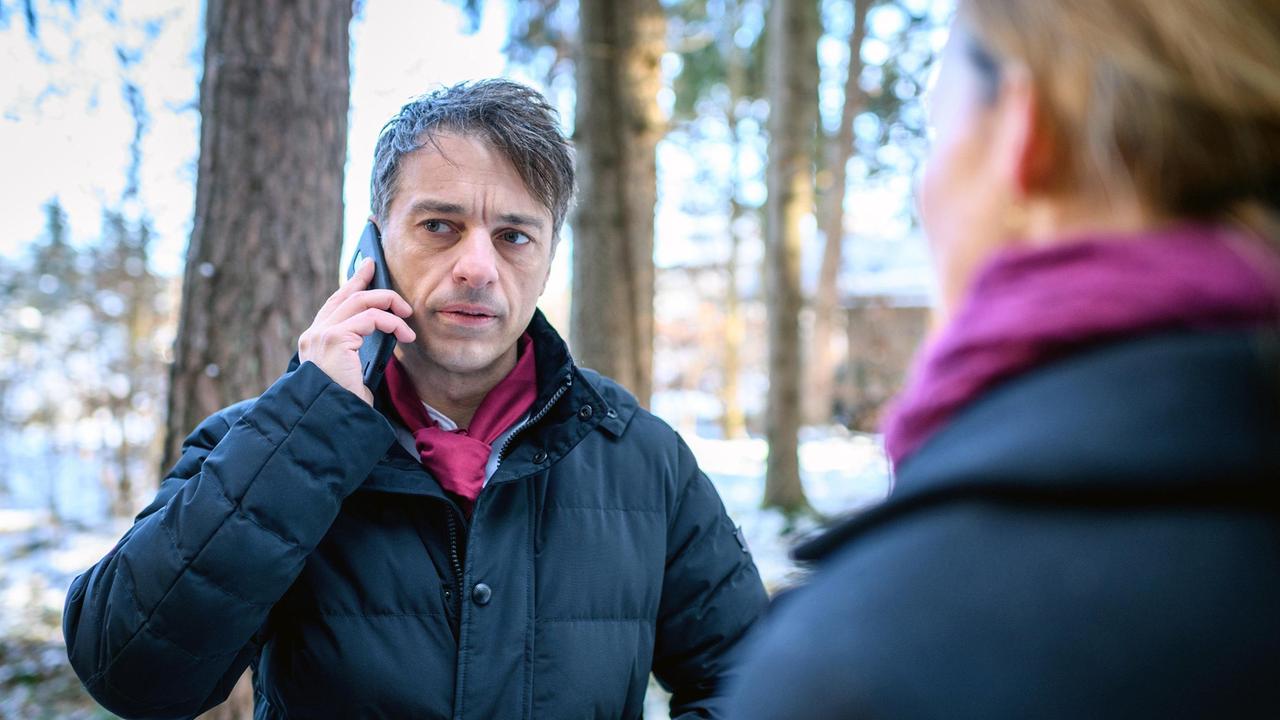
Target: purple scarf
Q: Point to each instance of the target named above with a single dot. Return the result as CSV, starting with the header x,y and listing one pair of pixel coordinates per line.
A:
x,y
1030,306
457,458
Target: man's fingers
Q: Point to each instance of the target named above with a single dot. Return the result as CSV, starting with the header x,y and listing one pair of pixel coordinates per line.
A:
x,y
365,322
358,281
361,300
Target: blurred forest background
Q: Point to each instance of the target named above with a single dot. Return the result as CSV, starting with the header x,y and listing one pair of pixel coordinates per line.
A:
x,y
183,180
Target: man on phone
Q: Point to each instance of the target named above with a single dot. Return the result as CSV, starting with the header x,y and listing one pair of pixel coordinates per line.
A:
x,y
490,532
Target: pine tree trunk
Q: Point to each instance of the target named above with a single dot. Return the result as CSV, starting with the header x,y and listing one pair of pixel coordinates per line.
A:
x,y
820,387
733,421
264,247
792,78
617,128
122,502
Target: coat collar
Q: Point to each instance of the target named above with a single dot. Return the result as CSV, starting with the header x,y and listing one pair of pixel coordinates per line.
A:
x,y
571,403
614,406
1186,418
555,367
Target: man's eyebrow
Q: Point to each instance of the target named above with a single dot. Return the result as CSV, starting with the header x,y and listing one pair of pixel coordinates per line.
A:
x,y
436,206
528,221
428,205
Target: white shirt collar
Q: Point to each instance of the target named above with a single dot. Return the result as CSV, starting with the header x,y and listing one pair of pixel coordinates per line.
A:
x,y
407,442
444,421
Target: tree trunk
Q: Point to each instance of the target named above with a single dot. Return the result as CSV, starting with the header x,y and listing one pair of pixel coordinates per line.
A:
x,y
733,422
839,148
268,219
122,502
617,128
792,77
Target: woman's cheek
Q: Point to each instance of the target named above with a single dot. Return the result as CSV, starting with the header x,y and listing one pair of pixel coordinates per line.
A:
x,y
931,197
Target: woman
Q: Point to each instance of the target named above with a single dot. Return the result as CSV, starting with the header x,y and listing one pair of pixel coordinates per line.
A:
x,y
1086,515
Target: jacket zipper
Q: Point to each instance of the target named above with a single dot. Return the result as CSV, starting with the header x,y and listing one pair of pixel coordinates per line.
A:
x,y
454,558
564,387
456,562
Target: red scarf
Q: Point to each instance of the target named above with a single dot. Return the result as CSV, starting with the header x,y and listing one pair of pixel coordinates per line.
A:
x,y
1030,306
457,458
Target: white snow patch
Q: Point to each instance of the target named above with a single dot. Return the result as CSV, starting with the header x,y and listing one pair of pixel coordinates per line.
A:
x,y
841,472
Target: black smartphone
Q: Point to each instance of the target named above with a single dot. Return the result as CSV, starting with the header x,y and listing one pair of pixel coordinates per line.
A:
x,y
375,353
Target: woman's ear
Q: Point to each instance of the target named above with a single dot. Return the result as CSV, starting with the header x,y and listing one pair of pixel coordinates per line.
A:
x,y
1027,139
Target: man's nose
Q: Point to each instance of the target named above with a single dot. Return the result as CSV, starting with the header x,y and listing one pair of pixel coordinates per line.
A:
x,y
477,262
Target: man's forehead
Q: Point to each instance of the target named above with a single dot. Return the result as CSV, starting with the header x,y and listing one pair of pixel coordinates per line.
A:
x,y
451,172
468,152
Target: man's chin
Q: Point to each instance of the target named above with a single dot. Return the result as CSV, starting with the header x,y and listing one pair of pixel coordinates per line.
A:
x,y
464,357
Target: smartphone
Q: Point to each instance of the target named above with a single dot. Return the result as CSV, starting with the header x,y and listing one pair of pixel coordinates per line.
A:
x,y
375,353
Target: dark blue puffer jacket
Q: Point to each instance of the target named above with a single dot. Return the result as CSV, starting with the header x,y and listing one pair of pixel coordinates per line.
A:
x,y
296,536
1098,538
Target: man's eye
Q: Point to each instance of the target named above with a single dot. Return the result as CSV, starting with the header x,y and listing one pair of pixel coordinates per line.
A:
x,y
515,237
436,226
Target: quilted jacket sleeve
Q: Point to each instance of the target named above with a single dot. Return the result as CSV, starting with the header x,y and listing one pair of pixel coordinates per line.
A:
x,y
711,595
165,623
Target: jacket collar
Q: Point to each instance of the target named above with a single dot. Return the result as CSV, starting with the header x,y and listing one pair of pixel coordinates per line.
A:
x,y
570,404
1186,418
555,365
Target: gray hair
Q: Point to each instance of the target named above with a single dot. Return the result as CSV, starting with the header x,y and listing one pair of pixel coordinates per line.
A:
x,y
515,120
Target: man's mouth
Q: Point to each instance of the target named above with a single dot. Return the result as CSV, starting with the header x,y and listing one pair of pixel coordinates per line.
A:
x,y
467,313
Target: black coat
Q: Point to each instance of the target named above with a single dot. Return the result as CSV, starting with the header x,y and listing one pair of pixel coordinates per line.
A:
x,y
297,536
1098,538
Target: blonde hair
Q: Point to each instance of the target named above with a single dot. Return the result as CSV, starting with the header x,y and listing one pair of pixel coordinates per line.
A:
x,y
1175,102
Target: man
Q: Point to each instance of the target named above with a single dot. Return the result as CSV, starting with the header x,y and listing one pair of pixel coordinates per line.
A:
x,y
368,559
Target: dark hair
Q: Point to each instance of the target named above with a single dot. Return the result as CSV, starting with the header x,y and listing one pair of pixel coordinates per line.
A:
x,y
514,119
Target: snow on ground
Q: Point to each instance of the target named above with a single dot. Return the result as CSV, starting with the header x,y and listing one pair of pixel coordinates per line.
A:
x,y
840,471
38,560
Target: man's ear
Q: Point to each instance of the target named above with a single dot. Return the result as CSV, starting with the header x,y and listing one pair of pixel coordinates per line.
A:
x,y
1026,138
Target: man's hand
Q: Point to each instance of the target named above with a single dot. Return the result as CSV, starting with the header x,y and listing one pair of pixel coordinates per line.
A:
x,y
348,316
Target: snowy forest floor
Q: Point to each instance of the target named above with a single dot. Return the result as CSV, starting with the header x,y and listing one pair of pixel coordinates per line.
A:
x,y
38,559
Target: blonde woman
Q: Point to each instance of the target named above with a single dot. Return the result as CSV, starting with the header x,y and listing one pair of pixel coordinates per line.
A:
x,y
1086,516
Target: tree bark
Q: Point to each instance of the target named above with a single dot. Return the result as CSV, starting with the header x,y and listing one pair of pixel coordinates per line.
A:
x,y
268,219
733,421
617,128
792,78
820,387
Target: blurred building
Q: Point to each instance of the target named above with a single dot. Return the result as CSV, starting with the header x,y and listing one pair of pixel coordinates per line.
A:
x,y
885,302
883,333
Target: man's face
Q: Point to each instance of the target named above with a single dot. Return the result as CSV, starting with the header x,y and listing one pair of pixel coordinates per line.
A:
x,y
470,249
